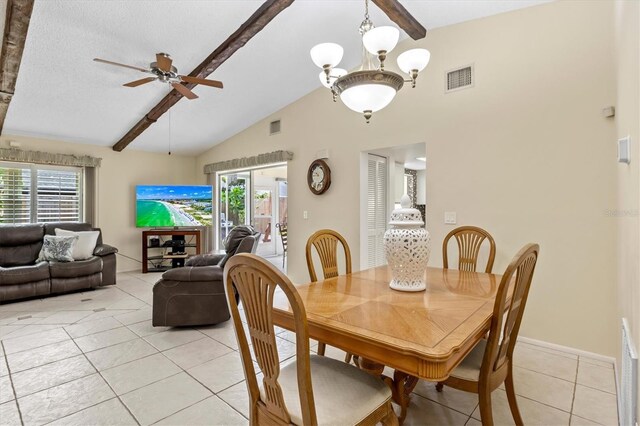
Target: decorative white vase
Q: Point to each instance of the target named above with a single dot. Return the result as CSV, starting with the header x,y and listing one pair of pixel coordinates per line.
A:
x,y
407,248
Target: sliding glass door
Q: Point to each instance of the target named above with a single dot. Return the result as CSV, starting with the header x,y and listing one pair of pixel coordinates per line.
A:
x,y
233,202
256,197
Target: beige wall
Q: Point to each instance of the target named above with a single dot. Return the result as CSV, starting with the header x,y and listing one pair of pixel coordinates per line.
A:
x,y
117,178
525,154
627,23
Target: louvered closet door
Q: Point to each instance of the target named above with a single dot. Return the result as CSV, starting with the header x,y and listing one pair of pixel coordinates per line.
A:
x,y
59,195
376,209
15,194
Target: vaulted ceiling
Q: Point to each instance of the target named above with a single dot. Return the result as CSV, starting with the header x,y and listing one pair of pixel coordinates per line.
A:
x,y
62,94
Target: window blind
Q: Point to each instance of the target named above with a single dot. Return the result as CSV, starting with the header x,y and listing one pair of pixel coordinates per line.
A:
x,y
32,193
15,195
59,196
376,209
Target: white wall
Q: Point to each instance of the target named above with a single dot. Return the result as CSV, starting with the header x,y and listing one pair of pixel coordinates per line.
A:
x,y
626,213
117,177
524,154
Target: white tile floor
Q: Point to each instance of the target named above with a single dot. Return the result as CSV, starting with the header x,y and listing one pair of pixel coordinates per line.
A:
x,y
93,358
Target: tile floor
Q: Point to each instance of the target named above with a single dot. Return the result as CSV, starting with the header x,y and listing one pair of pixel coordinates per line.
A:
x,y
93,358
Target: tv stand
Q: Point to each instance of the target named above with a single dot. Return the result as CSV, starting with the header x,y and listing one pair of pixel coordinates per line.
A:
x,y
173,247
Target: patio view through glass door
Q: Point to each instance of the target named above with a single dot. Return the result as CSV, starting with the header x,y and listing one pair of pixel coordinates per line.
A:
x,y
233,203
263,209
256,197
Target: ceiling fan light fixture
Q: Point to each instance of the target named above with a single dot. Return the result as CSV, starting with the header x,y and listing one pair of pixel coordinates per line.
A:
x,y
164,72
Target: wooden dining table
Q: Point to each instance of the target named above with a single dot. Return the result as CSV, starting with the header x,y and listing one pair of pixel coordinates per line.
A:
x,y
420,335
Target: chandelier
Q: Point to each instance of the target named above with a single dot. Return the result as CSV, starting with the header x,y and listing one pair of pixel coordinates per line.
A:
x,y
369,88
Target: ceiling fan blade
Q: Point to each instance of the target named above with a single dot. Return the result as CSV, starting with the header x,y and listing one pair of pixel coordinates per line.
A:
x,y
120,65
164,62
140,82
203,81
185,91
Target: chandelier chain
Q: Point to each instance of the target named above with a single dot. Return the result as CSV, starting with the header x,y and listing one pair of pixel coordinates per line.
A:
x,y
366,25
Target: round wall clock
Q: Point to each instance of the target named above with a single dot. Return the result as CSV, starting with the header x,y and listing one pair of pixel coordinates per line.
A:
x,y
319,177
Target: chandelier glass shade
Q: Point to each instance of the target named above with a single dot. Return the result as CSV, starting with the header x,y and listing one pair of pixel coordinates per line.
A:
x,y
336,73
381,40
327,54
368,97
368,89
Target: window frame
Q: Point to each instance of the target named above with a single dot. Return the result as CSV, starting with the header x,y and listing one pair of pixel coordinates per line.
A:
x,y
33,168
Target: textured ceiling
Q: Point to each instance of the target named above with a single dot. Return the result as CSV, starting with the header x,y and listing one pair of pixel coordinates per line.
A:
x,y
62,94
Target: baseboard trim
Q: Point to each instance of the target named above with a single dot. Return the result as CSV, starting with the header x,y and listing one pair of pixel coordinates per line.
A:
x,y
609,359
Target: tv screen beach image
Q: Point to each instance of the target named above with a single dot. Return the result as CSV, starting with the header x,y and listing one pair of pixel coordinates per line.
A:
x,y
173,205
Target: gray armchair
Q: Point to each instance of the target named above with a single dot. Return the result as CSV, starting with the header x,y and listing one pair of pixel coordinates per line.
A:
x,y
194,295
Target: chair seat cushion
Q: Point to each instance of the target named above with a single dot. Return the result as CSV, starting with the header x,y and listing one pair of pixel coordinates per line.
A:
x,y
343,394
24,274
469,368
79,268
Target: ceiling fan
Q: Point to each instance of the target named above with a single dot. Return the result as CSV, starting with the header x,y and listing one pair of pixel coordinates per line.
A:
x,y
163,71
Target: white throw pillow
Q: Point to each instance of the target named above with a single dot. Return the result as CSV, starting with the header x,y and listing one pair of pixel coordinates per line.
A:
x,y
85,244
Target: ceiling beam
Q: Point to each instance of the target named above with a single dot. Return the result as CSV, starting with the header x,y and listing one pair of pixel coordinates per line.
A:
x,y
260,18
18,15
401,16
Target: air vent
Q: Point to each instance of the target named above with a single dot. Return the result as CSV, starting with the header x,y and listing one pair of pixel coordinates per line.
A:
x,y
461,78
274,127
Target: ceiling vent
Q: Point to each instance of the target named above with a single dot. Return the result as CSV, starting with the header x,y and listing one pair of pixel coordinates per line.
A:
x,y
274,127
460,78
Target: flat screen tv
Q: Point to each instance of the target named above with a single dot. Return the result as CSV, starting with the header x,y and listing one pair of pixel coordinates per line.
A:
x,y
173,205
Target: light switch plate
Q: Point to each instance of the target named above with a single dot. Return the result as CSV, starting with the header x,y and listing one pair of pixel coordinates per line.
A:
x,y
624,154
450,218
305,215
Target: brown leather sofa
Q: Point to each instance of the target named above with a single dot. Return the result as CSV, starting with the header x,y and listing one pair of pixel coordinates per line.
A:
x,y
194,295
22,277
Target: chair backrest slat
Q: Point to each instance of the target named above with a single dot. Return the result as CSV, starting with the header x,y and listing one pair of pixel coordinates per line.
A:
x,y
325,241
282,227
508,309
256,282
469,239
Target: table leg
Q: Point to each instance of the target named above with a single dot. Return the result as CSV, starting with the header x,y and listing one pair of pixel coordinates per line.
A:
x,y
402,384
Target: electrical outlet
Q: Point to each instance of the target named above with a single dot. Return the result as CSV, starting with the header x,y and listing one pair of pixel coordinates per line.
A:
x,y
450,218
305,215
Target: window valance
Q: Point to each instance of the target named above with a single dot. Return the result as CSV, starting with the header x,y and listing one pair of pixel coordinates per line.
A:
x,y
247,162
39,157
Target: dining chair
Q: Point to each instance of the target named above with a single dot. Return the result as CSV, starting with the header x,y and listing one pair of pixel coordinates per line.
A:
x,y
282,228
469,239
325,241
489,364
310,390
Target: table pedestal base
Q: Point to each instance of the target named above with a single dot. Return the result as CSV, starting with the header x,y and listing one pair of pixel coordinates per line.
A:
x,y
402,384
